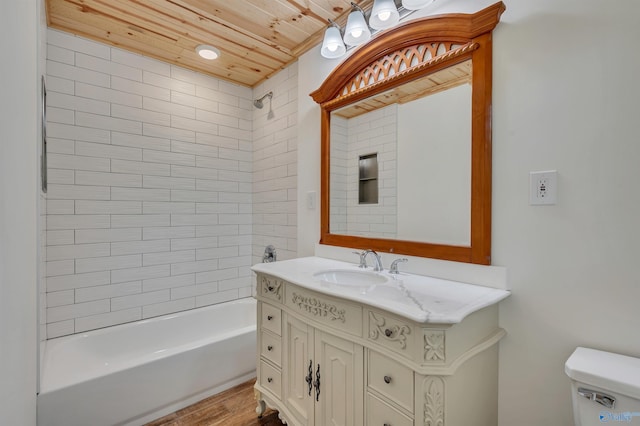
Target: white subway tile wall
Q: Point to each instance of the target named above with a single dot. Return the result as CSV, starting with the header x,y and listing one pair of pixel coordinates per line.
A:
x,y
163,184
59,237
275,173
371,133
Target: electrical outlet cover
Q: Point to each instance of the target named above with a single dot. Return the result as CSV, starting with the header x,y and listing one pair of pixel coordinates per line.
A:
x,y
543,187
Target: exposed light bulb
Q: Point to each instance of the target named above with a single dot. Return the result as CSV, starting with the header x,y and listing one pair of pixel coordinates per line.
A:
x,y
332,45
357,30
383,16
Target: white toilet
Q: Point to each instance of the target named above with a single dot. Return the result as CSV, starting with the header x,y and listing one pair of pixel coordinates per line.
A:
x,y
605,387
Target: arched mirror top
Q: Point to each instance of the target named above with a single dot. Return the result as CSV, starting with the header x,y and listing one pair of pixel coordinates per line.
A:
x,y
413,60
411,49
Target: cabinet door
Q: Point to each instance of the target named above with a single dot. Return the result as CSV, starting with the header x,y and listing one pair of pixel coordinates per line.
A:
x,y
298,358
341,399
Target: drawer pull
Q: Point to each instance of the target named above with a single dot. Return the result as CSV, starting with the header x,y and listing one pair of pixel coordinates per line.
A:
x,y
388,332
269,379
387,424
387,379
270,288
269,348
269,317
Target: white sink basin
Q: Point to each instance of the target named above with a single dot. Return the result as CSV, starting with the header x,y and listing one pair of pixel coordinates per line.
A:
x,y
419,298
348,277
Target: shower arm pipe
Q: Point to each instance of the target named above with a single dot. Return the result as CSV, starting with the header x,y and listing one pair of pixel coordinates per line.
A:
x,y
258,102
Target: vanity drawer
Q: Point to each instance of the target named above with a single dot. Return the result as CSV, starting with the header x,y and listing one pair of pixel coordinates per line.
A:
x,y
393,380
391,333
381,414
271,288
332,312
271,319
271,348
270,378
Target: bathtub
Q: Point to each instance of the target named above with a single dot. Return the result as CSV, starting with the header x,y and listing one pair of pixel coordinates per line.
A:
x,y
133,373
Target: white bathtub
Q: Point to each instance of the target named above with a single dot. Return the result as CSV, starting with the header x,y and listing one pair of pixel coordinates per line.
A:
x,y
133,373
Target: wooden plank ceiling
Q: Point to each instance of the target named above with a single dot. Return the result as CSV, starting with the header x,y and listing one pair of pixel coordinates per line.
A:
x,y
257,38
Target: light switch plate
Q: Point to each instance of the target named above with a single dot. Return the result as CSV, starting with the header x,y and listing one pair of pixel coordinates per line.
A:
x,y
543,187
311,200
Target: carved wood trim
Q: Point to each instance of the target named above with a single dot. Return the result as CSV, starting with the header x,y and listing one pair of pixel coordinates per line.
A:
x,y
434,346
399,64
377,328
433,401
456,28
272,286
365,73
318,307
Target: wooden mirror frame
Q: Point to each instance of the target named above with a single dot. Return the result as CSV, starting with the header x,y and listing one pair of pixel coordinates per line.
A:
x,y
398,56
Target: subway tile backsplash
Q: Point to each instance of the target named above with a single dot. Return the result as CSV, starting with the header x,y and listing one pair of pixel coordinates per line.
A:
x,y
164,185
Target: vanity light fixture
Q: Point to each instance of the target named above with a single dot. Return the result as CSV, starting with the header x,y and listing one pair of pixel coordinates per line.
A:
x,y
332,45
357,31
384,14
207,52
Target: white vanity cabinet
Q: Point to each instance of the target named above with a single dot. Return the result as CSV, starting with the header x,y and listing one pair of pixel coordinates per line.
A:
x,y
323,376
316,375
328,360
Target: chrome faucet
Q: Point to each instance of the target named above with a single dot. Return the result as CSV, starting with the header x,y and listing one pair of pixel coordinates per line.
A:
x,y
377,267
363,260
393,269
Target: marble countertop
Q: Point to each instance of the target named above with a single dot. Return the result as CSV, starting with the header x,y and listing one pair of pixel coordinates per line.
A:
x,y
419,298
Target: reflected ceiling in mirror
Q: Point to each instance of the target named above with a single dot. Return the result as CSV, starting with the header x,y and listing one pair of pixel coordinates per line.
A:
x,y
390,81
447,78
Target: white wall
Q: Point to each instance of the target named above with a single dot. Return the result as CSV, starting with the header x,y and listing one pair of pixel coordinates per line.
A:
x,y
435,154
19,85
150,187
565,98
312,69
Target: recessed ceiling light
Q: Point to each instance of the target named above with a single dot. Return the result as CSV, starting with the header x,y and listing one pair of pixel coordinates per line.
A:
x,y
207,52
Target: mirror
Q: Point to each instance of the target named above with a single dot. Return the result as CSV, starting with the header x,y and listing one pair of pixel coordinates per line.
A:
x,y
406,141
393,154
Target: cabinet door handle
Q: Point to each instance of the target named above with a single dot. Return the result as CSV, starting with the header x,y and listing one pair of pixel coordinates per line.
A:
x,y
269,348
387,424
317,383
309,378
269,379
388,332
387,379
270,288
269,317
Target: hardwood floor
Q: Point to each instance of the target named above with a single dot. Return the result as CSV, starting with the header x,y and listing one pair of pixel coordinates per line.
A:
x,y
234,407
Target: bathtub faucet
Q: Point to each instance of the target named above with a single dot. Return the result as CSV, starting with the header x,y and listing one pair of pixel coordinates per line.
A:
x,y
269,254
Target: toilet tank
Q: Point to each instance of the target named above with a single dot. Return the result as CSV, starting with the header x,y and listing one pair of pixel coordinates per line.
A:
x,y
605,387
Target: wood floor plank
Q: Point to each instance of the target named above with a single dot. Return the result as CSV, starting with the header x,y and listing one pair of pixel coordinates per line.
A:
x,y
233,407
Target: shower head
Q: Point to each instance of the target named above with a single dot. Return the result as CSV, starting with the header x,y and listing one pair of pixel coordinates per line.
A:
x,y
258,103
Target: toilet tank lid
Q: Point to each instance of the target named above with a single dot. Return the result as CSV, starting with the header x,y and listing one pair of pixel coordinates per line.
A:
x,y
614,372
